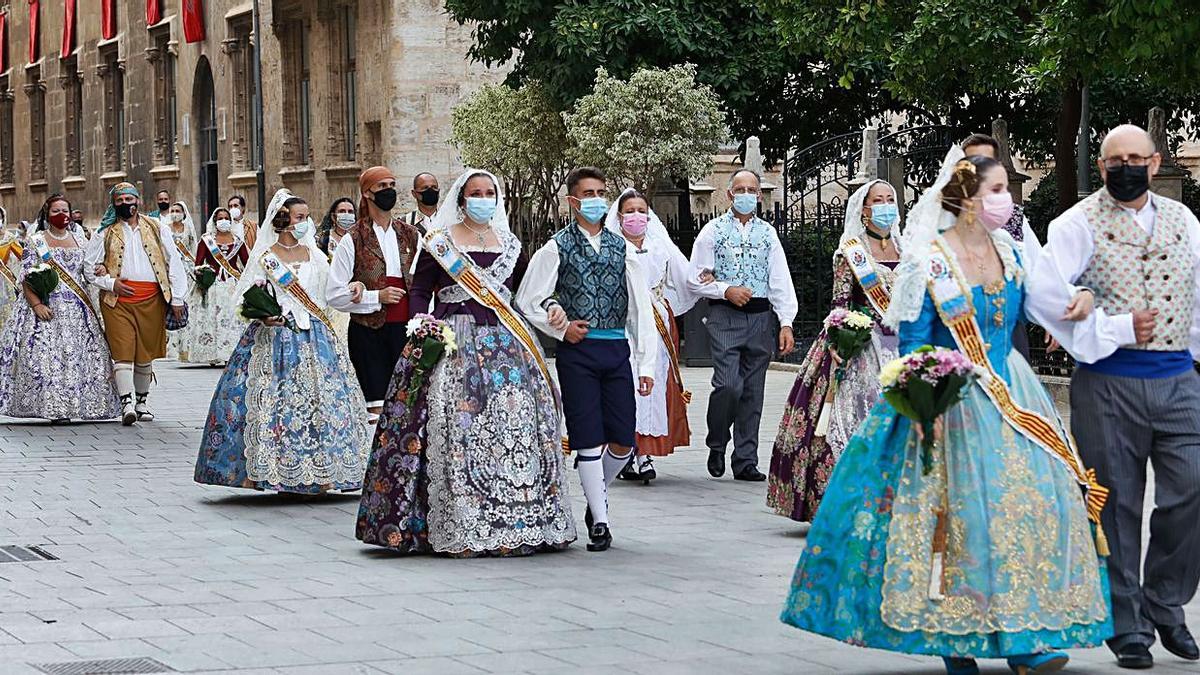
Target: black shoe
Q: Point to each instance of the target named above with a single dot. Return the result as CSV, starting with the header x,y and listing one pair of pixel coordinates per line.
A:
x,y
716,463
1135,656
1178,640
630,472
752,474
600,537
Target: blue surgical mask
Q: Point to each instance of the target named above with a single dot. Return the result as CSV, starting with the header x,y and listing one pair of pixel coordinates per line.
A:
x,y
593,209
884,216
301,229
481,209
745,204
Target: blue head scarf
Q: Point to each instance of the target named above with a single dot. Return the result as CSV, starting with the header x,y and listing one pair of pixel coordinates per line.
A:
x,y
110,215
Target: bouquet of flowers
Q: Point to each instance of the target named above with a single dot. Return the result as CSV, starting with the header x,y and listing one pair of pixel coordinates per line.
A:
x,y
849,333
42,280
260,302
205,278
428,340
924,384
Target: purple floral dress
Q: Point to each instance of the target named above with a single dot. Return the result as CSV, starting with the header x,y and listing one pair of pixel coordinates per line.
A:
x,y
801,461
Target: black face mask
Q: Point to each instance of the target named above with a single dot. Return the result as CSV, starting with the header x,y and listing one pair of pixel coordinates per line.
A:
x,y
429,196
125,211
385,199
163,206
1127,183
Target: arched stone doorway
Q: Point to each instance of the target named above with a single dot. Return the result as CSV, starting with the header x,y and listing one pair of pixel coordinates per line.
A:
x,y
204,104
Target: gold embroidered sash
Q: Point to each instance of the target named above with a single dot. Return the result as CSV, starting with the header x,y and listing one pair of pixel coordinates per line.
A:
x,y
863,266
11,248
182,248
283,277
219,256
43,252
673,355
951,297
466,274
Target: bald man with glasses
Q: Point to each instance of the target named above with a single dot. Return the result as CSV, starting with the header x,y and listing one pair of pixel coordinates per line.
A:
x,y
1116,284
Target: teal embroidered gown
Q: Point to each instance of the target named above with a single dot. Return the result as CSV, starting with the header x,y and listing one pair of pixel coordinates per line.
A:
x,y
1021,574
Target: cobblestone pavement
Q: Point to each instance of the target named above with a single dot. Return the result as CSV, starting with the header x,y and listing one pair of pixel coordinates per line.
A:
x,y
210,579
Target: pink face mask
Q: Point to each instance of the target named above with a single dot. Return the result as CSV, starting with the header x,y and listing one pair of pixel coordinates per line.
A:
x,y
634,224
997,209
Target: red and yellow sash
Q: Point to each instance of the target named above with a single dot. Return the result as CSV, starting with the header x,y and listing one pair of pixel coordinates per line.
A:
x,y
863,266
283,277
467,275
951,296
43,252
217,255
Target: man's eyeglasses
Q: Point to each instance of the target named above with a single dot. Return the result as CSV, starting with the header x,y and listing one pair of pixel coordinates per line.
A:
x,y
1131,160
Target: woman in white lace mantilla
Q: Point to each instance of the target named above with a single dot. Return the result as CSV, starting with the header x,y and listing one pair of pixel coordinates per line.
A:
x,y
287,414
214,327
470,464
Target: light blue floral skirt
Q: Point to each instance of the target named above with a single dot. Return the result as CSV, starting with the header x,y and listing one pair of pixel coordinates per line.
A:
x,y
1021,571
287,415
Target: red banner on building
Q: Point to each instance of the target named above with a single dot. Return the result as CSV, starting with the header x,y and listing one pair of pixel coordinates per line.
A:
x,y
108,19
153,12
35,48
193,21
68,40
3,42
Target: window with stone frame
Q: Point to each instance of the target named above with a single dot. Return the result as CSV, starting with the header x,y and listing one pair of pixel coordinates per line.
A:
x,y
161,54
297,110
6,132
341,120
35,90
111,71
72,84
239,48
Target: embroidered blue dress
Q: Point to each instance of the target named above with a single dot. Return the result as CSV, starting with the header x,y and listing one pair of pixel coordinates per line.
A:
x,y
287,414
1021,574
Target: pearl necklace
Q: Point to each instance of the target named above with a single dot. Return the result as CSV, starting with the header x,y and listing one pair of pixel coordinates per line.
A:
x,y
65,235
286,247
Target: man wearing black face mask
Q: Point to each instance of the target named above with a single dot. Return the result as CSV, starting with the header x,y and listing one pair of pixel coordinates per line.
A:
x,y
369,279
1134,255
425,192
163,199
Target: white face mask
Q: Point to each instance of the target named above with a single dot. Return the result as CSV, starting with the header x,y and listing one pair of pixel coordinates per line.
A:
x,y
224,225
235,213
346,220
177,217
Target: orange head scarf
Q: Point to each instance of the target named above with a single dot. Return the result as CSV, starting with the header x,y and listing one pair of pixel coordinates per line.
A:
x,y
367,180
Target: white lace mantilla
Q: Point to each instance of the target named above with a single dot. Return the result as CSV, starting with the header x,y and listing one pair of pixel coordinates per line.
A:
x,y
495,274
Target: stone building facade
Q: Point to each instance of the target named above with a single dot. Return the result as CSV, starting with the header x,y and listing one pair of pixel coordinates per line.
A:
x,y
347,84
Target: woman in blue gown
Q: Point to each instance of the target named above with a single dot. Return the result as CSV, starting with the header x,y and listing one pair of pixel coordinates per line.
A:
x,y
1021,575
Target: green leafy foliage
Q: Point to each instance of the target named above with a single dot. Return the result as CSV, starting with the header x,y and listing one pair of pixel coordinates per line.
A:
x,y
657,126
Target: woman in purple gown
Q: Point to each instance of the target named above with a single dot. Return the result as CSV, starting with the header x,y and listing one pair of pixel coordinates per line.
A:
x,y
807,447
470,463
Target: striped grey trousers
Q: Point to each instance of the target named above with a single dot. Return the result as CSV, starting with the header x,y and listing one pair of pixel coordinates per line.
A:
x,y
1120,423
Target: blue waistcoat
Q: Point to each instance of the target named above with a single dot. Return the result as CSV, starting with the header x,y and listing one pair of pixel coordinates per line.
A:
x,y
591,284
742,260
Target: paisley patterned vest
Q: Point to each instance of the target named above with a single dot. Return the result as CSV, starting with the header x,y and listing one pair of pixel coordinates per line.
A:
x,y
370,267
152,243
591,284
1131,270
742,259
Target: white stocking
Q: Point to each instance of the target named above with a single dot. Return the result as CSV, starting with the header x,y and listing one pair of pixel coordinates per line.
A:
x,y
143,375
591,477
613,464
123,374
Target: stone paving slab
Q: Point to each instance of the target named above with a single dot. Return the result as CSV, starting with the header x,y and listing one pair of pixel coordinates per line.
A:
x,y
213,580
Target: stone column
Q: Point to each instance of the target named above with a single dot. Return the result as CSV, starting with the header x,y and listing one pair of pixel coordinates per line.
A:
x,y
1016,179
868,161
1168,182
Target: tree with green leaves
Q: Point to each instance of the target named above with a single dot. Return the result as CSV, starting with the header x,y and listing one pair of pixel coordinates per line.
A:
x,y
1031,58
782,96
658,126
518,135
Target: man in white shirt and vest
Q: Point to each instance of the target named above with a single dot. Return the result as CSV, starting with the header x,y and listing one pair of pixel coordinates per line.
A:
x,y
425,191
739,265
141,277
1134,395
